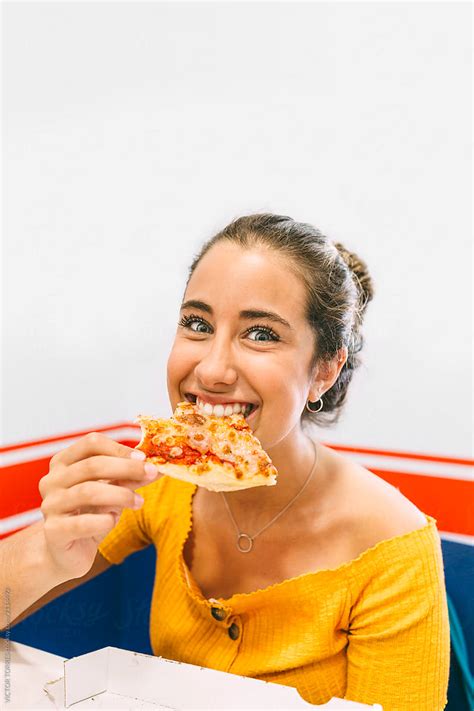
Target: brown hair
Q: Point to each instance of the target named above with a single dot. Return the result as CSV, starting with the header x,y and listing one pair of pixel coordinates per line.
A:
x,y
338,288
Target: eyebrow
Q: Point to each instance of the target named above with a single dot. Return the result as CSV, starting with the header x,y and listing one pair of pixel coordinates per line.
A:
x,y
247,314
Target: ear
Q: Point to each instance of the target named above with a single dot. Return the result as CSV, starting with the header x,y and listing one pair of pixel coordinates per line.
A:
x,y
326,374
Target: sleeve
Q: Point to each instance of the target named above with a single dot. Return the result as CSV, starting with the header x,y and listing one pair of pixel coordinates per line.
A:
x,y
131,532
398,651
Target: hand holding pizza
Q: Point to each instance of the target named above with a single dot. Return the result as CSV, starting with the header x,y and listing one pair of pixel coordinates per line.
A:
x,y
84,493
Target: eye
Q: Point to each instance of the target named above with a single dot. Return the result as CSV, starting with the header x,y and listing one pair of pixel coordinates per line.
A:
x,y
263,334
195,323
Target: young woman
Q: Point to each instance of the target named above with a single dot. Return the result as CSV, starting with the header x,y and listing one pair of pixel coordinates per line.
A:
x,y
331,581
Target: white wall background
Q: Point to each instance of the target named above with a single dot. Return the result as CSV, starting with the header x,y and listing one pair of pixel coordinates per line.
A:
x,y
133,131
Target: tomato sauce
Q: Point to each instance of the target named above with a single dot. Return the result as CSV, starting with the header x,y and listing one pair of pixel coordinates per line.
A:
x,y
188,457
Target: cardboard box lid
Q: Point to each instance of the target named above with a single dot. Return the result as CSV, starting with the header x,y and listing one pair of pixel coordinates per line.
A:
x,y
111,677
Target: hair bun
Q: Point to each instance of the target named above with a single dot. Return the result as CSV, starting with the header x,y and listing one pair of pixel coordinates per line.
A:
x,y
361,273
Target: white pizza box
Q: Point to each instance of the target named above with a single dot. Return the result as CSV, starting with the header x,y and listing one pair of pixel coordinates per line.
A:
x,y
113,678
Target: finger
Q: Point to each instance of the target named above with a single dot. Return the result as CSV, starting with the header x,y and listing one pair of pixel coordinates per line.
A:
x,y
56,480
86,496
102,510
106,509
104,467
91,444
66,530
134,485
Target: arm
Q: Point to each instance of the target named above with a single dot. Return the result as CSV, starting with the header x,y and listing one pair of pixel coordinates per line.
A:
x,y
87,487
28,580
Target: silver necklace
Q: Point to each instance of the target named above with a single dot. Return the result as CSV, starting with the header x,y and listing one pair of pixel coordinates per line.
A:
x,y
245,538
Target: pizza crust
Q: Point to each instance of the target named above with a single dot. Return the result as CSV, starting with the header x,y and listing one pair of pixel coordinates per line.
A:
x,y
216,478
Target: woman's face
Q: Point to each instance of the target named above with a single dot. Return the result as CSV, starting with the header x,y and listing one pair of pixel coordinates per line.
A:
x,y
243,340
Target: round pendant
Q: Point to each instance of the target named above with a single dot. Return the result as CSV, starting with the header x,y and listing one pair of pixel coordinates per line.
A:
x,y
246,548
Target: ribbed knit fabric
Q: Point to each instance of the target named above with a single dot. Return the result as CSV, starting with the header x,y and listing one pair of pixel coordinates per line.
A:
x,y
373,630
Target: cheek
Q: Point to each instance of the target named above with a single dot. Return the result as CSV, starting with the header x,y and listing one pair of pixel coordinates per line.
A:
x,y
287,403
278,374
281,385
178,366
283,405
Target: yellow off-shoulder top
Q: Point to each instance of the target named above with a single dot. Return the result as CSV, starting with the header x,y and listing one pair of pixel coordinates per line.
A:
x,y
373,630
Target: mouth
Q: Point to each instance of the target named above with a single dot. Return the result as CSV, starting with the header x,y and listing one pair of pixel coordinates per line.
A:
x,y
222,409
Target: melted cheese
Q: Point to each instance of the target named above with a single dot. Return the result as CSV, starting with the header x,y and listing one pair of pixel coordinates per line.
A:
x,y
202,438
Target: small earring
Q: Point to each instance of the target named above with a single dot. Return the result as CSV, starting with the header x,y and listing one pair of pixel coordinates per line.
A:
x,y
310,405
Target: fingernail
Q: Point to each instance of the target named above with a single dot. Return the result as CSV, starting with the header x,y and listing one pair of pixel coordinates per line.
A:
x,y
137,501
138,454
150,470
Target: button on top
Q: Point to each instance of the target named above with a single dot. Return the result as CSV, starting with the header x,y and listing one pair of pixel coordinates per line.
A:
x,y
234,631
218,613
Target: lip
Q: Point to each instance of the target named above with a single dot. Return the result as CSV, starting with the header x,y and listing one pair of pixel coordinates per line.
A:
x,y
249,419
220,400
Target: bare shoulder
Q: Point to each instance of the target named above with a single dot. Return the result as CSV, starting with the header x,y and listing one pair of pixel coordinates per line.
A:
x,y
374,509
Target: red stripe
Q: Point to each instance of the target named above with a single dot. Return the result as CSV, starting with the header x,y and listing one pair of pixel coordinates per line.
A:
x,y
402,455
447,500
339,447
70,435
19,486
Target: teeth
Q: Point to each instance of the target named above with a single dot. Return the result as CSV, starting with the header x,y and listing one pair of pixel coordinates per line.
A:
x,y
224,409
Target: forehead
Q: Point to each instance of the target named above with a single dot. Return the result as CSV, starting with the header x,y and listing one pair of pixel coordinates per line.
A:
x,y
229,277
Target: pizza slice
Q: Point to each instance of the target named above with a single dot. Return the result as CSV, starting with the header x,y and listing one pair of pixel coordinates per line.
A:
x,y
218,453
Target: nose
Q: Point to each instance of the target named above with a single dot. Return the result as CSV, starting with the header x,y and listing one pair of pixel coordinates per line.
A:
x,y
217,367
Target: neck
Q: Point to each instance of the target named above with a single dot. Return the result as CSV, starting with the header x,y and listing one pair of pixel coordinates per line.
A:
x,y
293,458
